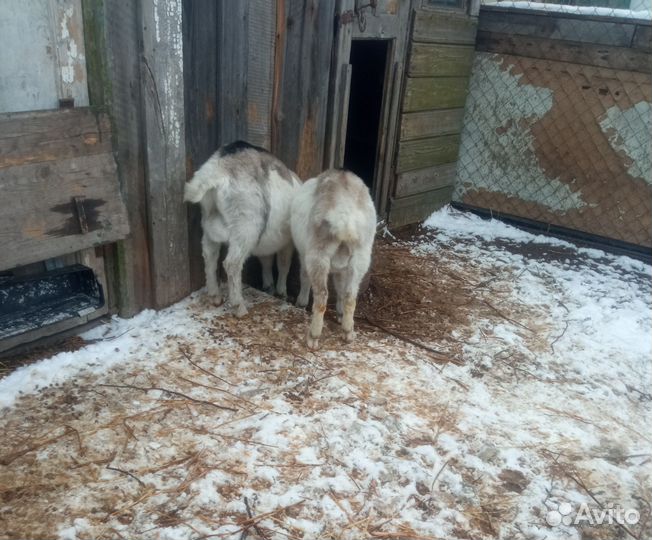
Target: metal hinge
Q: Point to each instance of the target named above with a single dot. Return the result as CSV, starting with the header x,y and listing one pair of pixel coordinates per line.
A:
x,y
347,17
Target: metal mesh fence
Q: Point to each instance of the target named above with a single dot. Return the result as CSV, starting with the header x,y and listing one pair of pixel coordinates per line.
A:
x,y
558,118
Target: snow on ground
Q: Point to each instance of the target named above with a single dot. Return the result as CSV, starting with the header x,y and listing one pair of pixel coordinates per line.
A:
x,y
187,423
640,9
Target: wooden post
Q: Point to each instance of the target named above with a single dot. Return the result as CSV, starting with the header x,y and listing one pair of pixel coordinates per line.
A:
x,y
162,96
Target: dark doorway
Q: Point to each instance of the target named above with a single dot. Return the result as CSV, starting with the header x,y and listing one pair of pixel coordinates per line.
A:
x,y
369,63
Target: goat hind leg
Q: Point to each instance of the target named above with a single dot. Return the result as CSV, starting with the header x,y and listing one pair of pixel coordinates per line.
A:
x,y
267,262
304,293
318,272
339,284
283,262
351,285
233,264
211,254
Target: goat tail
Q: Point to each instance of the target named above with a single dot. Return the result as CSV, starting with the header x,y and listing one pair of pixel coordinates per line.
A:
x,y
196,188
210,175
343,226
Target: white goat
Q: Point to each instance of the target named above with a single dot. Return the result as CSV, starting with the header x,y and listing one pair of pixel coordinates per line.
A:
x,y
333,228
245,195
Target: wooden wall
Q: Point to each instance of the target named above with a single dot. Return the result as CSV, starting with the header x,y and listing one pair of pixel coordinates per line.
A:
x,y
558,123
435,88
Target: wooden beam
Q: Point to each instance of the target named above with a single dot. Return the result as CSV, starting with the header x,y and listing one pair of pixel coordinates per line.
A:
x,y
428,60
419,125
422,180
424,153
424,94
620,58
163,107
560,26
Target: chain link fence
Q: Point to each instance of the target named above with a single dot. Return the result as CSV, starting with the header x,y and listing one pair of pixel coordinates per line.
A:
x,y
558,119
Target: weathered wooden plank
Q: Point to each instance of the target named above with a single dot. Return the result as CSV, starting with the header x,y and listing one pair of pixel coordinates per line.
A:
x,y
36,137
68,31
556,26
39,219
642,37
163,106
419,125
424,153
437,60
416,208
130,273
422,180
301,83
422,94
620,58
200,36
439,27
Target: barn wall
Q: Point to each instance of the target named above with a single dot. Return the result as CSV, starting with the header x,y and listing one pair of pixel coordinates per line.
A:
x,y
439,66
557,126
304,40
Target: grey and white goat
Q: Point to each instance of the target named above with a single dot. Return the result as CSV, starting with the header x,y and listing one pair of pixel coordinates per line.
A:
x,y
245,195
333,228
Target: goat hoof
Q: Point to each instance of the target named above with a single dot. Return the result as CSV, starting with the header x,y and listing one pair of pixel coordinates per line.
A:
x,y
302,303
269,290
215,299
240,311
339,318
349,336
312,342
282,295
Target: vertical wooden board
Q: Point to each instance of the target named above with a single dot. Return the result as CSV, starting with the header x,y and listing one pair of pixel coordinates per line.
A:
x,y
260,70
200,60
442,27
68,32
301,99
163,107
233,66
130,270
419,125
435,93
339,87
424,153
428,60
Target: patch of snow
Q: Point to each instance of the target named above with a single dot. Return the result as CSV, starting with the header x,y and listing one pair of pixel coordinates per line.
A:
x,y
640,9
629,131
494,132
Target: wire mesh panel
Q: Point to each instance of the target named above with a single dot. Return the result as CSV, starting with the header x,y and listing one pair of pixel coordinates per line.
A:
x,y
558,119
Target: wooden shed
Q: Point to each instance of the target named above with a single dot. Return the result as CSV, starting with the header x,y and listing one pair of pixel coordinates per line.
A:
x,y
109,107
